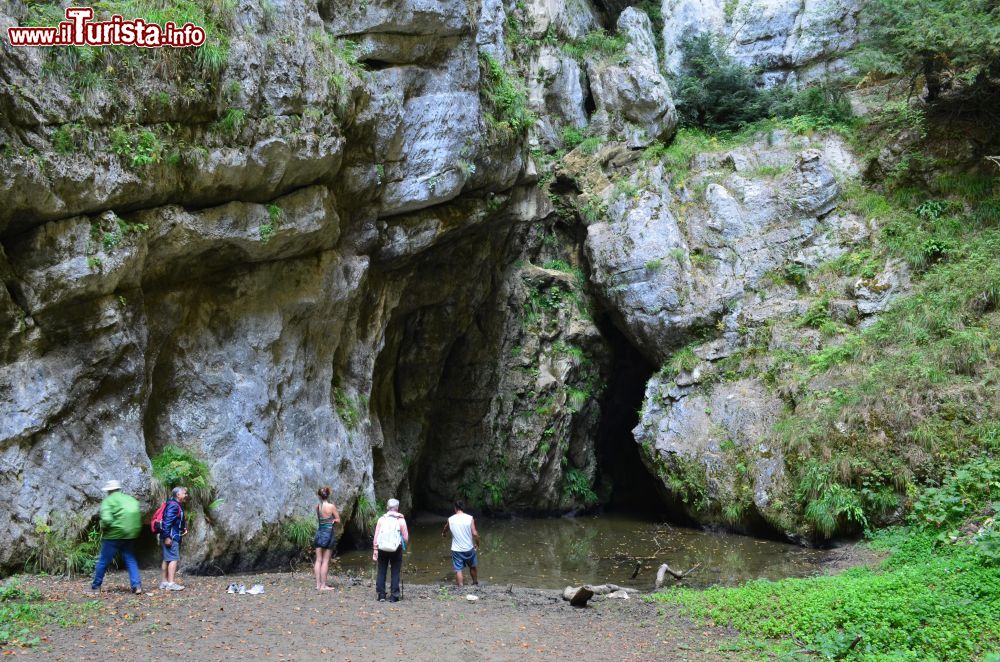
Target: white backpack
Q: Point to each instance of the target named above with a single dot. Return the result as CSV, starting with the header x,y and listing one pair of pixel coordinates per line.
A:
x,y
390,537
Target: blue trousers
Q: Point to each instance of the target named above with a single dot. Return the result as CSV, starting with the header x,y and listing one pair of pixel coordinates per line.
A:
x,y
110,549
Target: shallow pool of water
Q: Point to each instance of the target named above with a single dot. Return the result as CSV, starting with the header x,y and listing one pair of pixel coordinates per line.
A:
x,y
554,553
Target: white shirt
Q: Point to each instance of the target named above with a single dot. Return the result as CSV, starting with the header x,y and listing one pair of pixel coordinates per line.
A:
x,y
461,532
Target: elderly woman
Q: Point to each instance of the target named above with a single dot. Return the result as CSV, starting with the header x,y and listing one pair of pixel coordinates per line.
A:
x,y
389,542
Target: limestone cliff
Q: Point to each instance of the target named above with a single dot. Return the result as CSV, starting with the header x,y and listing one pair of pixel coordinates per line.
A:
x,y
334,249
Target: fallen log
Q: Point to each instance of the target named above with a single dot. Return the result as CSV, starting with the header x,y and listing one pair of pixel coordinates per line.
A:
x,y
664,569
578,596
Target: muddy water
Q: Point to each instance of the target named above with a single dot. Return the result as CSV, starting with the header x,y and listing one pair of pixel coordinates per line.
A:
x,y
553,553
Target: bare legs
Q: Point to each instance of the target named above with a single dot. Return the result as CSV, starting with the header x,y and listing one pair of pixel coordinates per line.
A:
x,y
169,568
461,579
320,568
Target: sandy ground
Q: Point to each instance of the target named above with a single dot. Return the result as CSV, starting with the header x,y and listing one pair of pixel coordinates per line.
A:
x,y
293,621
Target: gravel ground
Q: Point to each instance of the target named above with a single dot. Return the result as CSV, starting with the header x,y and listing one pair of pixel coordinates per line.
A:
x,y
293,621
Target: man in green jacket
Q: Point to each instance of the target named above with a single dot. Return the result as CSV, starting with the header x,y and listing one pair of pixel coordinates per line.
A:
x,y
121,520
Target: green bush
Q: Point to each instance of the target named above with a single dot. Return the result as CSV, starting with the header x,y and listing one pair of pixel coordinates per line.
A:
x,y
576,487
505,98
715,92
825,104
61,548
928,38
175,466
301,531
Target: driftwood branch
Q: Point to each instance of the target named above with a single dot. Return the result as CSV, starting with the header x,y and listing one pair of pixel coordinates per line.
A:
x,y
995,160
578,596
665,569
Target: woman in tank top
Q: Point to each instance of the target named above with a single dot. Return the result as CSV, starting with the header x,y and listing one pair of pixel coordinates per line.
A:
x,y
326,516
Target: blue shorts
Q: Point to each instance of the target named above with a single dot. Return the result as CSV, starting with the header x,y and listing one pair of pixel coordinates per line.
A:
x,y
462,559
324,538
172,553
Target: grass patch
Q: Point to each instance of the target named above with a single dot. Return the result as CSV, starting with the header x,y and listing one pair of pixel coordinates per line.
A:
x,y
935,597
25,611
505,98
66,545
597,44
301,531
350,409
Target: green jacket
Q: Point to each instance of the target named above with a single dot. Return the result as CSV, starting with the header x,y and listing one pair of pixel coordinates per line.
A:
x,y
121,517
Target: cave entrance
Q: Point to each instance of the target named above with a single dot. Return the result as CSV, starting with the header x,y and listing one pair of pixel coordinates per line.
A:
x,y
623,481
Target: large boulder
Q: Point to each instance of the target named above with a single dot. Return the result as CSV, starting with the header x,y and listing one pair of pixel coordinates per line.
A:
x,y
631,96
667,263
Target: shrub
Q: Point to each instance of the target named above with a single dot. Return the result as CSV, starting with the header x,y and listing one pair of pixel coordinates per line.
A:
x,y
175,466
576,487
929,37
824,103
505,98
715,92
61,549
300,531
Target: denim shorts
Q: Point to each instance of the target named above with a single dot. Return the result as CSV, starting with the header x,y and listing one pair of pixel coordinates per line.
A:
x,y
324,538
461,559
172,553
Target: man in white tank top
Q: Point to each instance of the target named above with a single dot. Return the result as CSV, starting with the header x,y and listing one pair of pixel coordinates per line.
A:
x,y
464,543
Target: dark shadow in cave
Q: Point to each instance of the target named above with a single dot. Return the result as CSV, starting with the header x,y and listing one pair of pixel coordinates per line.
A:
x,y
623,481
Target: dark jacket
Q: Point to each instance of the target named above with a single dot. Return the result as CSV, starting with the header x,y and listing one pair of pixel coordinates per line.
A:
x,y
173,521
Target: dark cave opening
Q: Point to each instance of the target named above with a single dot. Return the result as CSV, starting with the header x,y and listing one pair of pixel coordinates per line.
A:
x,y
623,481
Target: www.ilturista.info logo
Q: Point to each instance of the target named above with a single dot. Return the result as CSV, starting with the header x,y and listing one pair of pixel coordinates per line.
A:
x,y
79,30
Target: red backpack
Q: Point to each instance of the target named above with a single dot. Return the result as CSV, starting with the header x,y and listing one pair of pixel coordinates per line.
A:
x,y
157,522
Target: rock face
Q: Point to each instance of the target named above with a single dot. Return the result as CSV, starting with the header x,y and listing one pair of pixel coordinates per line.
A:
x,y
306,260
698,269
669,260
632,97
793,42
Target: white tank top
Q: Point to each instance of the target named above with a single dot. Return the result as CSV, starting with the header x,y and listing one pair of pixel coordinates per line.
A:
x,y
461,532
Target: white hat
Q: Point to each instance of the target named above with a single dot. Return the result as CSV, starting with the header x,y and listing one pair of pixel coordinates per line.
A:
x,y
111,485
392,503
